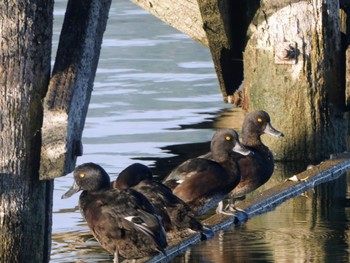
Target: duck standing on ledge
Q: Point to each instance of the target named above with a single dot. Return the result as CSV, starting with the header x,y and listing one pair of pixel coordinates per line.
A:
x,y
203,183
122,221
257,168
177,216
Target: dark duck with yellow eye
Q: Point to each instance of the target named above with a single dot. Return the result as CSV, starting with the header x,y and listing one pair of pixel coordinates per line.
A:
x,y
256,169
203,183
177,217
122,221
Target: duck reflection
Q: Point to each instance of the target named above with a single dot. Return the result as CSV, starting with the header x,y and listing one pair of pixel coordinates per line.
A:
x,y
309,228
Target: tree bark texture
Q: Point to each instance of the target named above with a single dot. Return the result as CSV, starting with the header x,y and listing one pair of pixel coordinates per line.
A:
x,y
68,96
292,67
182,15
345,30
25,201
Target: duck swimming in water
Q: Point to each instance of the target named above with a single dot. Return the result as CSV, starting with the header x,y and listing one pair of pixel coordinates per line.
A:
x,y
124,222
177,216
203,183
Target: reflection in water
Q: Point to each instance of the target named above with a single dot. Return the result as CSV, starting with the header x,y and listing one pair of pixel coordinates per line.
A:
x,y
230,118
309,228
156,100
225,118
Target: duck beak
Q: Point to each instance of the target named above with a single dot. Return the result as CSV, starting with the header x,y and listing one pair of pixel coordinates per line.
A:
x,y
74,189
239,148
272,131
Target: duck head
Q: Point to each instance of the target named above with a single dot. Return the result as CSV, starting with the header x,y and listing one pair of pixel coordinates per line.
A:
x,y
227,140
258,123
88,177
132,175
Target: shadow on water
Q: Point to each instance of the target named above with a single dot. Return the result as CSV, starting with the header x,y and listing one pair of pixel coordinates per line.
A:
x,y
225,118
181,152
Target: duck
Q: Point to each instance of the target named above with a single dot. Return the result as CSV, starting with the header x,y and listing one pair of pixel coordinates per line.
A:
x,y
202,183
177,216
123,221
257,168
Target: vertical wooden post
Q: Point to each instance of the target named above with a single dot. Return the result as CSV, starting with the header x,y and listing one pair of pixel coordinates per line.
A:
x,y
25,202
224,24
292,68
219,25
25,58
345,30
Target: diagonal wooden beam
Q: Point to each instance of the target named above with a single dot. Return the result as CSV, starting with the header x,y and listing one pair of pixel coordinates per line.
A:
x,y
182,15
209,23
68,96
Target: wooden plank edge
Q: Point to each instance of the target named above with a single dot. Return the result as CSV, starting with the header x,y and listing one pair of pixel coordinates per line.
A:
x,y
270,198
263,202
176,249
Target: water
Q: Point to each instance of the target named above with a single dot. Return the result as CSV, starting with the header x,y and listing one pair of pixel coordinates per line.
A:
x,y
156,100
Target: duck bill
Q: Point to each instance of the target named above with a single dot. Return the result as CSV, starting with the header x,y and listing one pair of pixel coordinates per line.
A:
x,y
74,189
272,131
239,148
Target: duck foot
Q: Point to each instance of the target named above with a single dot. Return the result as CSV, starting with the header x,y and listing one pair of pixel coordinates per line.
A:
x,y
220,210
294,178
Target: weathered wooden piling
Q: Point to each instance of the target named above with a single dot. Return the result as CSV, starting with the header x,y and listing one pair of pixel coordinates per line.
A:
x,y
26,41
182,15
293,66
291,52
68,96
208,22
25,202
292,69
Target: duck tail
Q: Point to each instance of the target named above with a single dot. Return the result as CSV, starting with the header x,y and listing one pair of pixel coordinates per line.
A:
x,y
151,226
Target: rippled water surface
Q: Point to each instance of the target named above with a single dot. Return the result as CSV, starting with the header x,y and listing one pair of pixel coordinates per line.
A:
x,y
156,100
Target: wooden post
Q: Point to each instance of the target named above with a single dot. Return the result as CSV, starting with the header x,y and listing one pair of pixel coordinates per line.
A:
x,y
25,58
182,15
68,96
225,25
345,30
25,202
292,68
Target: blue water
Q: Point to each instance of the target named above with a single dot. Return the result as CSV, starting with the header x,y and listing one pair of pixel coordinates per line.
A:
x,y
156,100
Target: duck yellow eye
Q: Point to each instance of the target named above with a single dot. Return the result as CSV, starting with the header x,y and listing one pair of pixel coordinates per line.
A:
x,y
81,175
228,138
260,120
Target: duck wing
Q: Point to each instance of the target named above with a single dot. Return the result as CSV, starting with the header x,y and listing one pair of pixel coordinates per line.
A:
x,y
117,212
